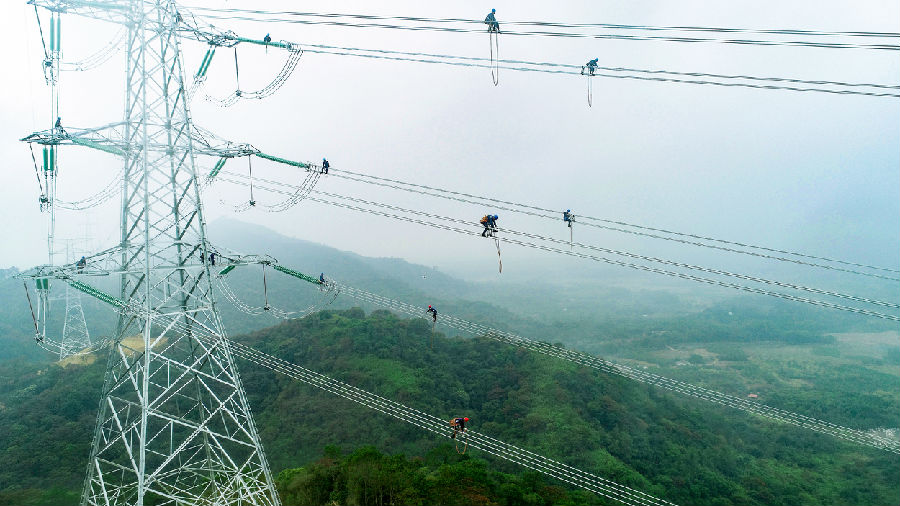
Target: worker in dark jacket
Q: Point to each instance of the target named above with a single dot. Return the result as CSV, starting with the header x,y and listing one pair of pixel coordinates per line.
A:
x,y
491,21
490,225
459,425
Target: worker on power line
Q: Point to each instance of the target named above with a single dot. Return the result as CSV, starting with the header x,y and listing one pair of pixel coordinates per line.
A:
x,y
490,225
81,263
322,278
568,217
433,312
58,126
591,66
491,21
459,425
267,39
325,166
212,258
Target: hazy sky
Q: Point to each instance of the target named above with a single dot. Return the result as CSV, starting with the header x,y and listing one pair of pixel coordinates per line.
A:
x,y
807,171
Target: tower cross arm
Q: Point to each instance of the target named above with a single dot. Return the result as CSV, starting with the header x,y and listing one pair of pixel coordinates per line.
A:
x,y
106,10
107,263
74,137
190,27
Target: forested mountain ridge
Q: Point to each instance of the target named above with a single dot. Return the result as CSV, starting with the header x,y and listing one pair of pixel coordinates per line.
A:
x,y
786,354
679,449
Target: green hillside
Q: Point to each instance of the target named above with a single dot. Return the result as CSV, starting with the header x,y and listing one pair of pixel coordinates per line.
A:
x,y
679,449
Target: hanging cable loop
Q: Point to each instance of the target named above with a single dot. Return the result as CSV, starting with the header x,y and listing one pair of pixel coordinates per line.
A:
x,y
265,289
497,243
37,333
590,91
289,66
494,42
250,177
237,74
37,172
41,30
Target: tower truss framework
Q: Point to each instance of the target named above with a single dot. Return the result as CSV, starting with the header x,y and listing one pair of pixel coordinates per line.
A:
x,y
174,425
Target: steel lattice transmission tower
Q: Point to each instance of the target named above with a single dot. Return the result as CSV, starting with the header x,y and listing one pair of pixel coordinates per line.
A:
x,y
75,335
174,425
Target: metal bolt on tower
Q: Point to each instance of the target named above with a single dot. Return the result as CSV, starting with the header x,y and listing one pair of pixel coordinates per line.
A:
x,y
174,425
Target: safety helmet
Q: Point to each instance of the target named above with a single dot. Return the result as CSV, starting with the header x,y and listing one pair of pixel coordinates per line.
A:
x,y
323,158
429,306
493,11
496,217
465,419
568,210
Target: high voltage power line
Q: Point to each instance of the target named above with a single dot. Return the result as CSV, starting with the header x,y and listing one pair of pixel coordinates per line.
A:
x,y
302,190
612,72
773,413
597,248
297,18
531,209
776,414
658,75
312,176
277,187
230,39
588,481
770,412
554,215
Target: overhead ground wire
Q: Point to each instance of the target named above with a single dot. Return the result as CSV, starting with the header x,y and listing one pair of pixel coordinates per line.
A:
x,y
493,63
294,18
782,31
